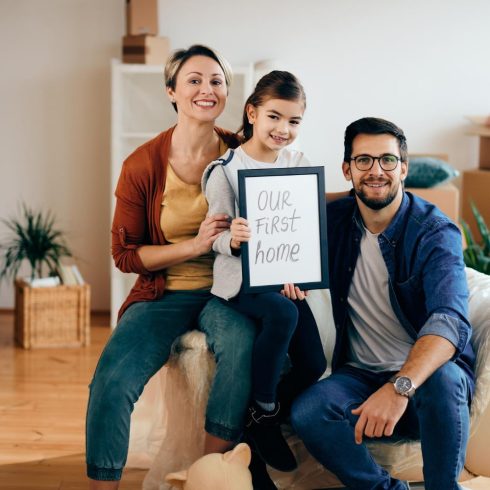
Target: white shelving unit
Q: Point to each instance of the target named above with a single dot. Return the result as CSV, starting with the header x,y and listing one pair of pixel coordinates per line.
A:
x,y
141,110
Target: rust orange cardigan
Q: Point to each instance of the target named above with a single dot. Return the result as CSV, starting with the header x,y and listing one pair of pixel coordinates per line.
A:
x,y
136,220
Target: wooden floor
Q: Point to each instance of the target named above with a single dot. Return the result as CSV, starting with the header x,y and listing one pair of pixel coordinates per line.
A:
x,y
43,396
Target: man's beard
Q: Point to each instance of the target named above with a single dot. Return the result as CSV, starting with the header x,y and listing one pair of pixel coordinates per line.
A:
x,y
377,204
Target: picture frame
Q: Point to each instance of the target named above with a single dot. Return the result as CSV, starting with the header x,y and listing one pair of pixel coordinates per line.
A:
x,y
286,211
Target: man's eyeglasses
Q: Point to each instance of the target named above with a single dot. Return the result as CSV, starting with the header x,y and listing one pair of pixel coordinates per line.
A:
x,y
387,162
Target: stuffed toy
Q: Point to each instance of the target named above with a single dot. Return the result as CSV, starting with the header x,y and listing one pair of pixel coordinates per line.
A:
x,y
216,471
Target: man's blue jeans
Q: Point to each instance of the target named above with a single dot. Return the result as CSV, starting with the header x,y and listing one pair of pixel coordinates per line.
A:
x,y
139,346
437,414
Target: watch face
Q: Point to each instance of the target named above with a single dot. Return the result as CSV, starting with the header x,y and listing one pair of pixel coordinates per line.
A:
x,y
403,384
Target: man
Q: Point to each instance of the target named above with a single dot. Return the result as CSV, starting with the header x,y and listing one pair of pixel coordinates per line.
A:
x,y
402,363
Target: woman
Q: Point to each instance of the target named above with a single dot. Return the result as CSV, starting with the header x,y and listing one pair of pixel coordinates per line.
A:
x,y
160,231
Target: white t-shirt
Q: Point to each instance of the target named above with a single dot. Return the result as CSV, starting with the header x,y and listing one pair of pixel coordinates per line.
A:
x,y
377,340
286,158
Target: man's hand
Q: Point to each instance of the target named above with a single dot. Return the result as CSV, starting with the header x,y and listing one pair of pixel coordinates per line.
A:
x,y
379,414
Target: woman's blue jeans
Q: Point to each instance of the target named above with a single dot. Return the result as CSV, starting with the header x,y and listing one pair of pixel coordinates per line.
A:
x,y
438,415
140,346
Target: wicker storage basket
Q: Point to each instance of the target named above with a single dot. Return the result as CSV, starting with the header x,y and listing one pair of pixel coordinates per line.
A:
x,y
52,316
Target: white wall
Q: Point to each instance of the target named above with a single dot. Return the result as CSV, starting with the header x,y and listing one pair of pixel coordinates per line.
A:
x,y
55,122
422,64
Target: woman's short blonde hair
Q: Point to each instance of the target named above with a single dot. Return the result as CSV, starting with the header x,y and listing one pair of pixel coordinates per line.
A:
x,y
180,56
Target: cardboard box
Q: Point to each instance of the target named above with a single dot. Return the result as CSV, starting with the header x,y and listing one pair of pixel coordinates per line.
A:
x,y
445,197
141,17
484,152
149,50
483,133
476,188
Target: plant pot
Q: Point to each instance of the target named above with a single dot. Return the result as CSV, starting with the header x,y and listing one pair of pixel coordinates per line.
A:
x,y
52,316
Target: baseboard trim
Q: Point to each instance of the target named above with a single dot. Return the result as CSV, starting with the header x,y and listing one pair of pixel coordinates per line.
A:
x,y
92,312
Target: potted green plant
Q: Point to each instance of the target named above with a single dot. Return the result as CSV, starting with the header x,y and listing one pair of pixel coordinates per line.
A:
x,y
34,239
55,316
477,255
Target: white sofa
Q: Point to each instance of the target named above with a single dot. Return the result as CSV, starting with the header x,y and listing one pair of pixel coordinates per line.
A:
x,y
167,424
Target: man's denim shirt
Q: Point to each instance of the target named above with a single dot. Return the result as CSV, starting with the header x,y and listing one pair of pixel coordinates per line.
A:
x,y
423,254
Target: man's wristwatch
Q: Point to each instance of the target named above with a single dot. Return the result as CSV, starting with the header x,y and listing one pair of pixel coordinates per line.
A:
x,y
403,385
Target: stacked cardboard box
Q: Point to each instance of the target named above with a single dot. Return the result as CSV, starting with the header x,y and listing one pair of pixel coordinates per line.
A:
x,y
141,17
485,152
141,43
445,197
476,188
145,49
476,184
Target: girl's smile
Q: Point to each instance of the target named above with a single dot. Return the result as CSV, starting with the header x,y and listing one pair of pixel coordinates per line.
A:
x,y
275,125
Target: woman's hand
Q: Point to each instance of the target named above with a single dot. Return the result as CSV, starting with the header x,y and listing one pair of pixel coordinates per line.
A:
x,y
209,230
240,232
293,292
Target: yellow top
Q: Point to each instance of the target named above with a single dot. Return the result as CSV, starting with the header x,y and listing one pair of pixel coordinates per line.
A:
x,y
184,207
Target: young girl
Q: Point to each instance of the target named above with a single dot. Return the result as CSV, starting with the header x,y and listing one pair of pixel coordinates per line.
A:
x,y
271,121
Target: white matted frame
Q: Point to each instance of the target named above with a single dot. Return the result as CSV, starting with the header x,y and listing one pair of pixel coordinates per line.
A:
x,y
286,211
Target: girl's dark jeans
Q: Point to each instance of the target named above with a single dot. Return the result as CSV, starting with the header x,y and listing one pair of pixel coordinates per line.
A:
x,y
285,326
